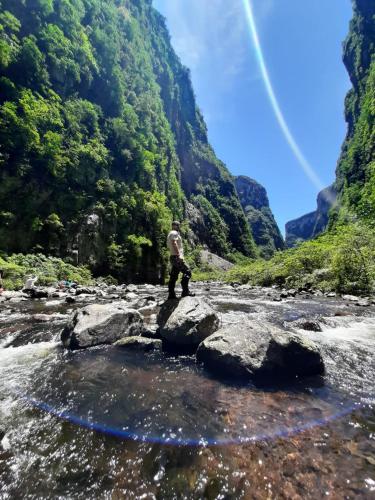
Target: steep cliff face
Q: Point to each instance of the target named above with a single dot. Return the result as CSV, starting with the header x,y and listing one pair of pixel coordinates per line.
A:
x,y
254,201
355,173
314,223
98,122
206,181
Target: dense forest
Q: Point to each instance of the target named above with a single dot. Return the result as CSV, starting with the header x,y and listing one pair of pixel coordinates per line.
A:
x,y
101,141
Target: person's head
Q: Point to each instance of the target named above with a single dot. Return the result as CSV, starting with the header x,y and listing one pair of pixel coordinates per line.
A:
x,y
176,225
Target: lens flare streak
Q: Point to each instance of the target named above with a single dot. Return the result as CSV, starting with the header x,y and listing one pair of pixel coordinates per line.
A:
x,y
307,168
202,442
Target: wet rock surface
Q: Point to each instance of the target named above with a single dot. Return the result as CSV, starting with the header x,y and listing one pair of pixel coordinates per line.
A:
x,y
139,343
254,350
305,324
101,324
188,321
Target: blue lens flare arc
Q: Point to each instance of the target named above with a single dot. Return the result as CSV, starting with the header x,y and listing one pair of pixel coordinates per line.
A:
x,y
303,162
201,442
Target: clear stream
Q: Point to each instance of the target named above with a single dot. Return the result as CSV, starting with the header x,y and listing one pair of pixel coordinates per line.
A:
x,y
110,423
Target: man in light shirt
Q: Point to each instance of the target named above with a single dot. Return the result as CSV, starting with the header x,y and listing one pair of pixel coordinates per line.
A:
x,y
175,247
30,283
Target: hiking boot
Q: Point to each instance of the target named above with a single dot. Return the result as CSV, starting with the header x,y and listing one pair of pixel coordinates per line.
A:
x,y
172,296
187,294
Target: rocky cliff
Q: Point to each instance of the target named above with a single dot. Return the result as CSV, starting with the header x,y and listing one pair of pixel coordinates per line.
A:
x,y
254,201
355,173
101,141
310,225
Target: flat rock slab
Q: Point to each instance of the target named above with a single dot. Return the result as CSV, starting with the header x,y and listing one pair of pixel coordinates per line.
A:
x,y
259,349
101,324
140,343
187,322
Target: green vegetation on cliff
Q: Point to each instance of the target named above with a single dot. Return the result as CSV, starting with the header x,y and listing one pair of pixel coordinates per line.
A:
x,y
101,142
343,258
254,201
355,175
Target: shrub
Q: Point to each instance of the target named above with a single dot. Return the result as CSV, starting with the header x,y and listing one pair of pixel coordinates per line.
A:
x,y
48,269
342,260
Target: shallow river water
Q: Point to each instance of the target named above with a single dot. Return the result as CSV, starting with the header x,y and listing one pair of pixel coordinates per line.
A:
x,y
109,423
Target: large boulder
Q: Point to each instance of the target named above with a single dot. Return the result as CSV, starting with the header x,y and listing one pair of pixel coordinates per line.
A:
x,y
101,324
187,322
260,349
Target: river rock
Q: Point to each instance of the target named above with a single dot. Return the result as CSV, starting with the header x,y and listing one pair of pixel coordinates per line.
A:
x,y
145,302
307,324
351,298
151,332
259,349
187,322
37,293
101,324
47,318
85,290
140,343
363,303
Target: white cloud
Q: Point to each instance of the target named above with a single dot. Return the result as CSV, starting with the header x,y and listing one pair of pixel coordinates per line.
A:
x,y
212,38
209,33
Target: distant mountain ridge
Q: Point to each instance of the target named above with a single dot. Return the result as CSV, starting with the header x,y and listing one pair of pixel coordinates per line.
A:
x,y
312,224
254,201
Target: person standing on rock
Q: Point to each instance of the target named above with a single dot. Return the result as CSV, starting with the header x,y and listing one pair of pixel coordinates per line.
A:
x,y
175,247
30,283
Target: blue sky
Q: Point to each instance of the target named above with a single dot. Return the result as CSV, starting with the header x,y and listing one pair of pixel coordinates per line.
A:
x,y
302,46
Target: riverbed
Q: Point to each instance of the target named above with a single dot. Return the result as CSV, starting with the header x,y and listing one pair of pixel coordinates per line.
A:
x,y
109,423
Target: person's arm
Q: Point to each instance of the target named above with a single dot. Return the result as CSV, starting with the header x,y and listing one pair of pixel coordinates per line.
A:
x,y
175,246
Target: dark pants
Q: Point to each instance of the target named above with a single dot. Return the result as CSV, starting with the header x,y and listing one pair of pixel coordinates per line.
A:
x,y
179,266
